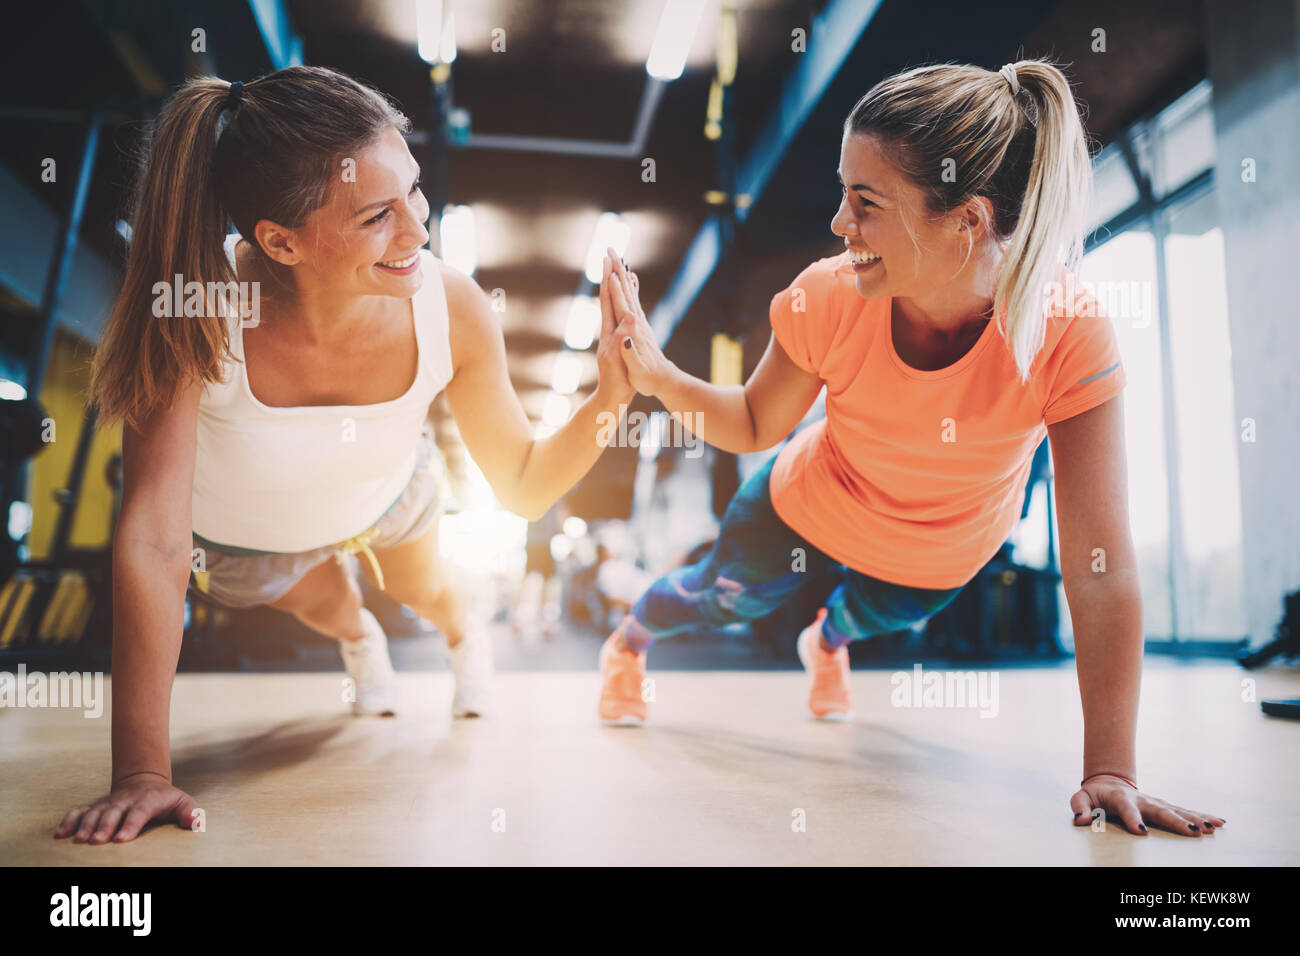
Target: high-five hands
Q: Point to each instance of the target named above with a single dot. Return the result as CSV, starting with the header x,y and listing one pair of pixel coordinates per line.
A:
x,y
614,381
648,369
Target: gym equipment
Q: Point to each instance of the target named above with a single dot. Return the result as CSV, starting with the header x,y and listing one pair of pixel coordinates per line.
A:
x,y
1286,638
1007,610
47,607
1286,642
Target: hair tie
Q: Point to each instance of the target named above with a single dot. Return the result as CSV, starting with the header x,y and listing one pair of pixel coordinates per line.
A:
x,y
235,93
1009,74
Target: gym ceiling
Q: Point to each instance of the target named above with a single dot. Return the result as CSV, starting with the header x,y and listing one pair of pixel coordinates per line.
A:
x,y
571,69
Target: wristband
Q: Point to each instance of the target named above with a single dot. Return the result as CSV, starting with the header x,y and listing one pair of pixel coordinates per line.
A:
x,y
1107,773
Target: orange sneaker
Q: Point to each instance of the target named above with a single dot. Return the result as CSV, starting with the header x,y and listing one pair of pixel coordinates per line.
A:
x,y
830,697
622,673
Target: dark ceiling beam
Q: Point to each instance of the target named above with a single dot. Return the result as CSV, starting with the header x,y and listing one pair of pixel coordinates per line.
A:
x,y
834,34
136,62
633,148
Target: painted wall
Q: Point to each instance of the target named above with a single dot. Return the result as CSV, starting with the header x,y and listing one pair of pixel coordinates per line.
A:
x,y
1254,57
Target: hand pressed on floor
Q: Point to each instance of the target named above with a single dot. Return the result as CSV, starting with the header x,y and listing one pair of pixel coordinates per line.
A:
x,y
1135,809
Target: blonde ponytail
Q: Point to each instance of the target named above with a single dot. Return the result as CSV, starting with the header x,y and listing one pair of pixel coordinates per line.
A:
x,y
1053,216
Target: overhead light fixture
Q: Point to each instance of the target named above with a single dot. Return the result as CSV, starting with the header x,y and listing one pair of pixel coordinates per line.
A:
x,y
611,230
673,39
459,239
583,324
435,34
447,48
566,374
555,410
12,390
561,547
20,520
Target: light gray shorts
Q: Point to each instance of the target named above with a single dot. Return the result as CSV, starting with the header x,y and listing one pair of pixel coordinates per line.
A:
x,y
242,577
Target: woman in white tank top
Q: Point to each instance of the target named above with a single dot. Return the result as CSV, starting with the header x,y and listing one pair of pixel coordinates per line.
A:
x,y
274,394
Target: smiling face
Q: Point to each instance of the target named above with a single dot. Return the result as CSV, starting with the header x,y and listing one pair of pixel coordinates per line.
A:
x,y
366,239
878,205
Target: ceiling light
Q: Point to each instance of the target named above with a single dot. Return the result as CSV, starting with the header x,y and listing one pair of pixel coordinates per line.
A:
x,y
566,374
673,39
583,324
555,411
611,230
459,240
428,29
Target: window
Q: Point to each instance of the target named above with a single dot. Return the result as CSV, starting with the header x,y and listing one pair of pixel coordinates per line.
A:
x,y
1208,434
1155,237
1130,257
1113,189
1183,140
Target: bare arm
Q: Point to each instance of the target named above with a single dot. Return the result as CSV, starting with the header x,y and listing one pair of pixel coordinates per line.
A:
x,y
1099,570
742,418
527,474
151,565
735,418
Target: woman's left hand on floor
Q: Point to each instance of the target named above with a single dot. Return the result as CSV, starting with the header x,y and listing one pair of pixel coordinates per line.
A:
x,y
1136,809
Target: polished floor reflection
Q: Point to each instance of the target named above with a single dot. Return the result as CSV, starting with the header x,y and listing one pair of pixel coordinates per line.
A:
x,y
729,771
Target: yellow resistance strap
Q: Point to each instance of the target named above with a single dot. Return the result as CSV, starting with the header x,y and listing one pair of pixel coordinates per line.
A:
x,y
360,544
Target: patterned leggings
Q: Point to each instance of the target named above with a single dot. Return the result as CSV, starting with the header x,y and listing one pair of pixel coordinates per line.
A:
x,y
757,564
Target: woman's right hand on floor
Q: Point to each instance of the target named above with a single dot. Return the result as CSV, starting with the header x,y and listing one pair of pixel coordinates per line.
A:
x,y
121,815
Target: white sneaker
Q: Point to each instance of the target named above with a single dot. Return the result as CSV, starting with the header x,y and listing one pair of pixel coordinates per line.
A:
x,y
471,662
371,670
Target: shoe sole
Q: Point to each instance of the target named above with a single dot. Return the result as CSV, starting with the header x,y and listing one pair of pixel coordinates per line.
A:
x,y
627,720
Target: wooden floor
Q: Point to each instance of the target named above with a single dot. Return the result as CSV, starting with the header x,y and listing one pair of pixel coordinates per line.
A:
x,y
286,777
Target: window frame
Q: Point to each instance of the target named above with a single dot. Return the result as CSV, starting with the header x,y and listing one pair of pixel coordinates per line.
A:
x,y
1149,213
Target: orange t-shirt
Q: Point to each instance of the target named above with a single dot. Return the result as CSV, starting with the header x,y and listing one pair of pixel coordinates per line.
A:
x,y
917,477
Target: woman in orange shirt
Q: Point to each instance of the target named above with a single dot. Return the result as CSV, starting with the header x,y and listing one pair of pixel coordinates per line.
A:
x,y
949,338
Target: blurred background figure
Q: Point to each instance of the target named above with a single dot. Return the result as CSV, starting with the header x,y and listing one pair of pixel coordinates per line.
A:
x,y
537,607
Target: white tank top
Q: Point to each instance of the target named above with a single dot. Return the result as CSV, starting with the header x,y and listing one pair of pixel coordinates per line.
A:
x,y
295,479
